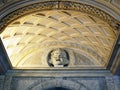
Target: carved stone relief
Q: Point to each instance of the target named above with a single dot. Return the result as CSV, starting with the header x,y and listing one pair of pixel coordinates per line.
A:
x,y
65,5
75,46
58,58
38,83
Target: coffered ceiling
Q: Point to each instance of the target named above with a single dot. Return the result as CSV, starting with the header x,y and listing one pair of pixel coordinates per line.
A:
x,y
88,40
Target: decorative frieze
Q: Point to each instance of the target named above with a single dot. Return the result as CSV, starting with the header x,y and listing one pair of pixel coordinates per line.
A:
x,y
65,5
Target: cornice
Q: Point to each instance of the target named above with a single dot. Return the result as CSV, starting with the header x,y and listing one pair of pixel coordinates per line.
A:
x,y
59,73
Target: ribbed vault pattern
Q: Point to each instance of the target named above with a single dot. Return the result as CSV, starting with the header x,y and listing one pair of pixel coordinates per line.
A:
x,y
29,39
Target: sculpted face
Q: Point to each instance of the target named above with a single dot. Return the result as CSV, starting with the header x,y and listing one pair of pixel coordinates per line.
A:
x,y
59,57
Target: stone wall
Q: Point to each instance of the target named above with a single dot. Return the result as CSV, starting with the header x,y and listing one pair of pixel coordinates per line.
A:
x,y
1,82
70,83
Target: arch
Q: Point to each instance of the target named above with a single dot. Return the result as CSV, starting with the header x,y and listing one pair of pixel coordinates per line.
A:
x,y
66,84
79,6
20,9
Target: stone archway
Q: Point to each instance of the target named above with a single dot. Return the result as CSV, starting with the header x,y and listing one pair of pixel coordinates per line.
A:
x,y
57,84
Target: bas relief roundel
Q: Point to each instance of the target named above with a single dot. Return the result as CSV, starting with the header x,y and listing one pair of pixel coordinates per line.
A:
x,y
58,58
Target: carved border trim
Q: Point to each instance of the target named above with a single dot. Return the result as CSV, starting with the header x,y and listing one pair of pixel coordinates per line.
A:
x,y
59,5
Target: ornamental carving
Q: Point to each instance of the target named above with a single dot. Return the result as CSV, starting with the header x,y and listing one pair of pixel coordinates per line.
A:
x,y
60,5
58,58
75,46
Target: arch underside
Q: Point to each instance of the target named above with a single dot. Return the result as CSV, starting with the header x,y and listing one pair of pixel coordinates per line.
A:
x,y
57,85
88,39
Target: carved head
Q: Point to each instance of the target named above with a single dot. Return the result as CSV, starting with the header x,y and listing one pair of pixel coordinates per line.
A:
x,y
59,57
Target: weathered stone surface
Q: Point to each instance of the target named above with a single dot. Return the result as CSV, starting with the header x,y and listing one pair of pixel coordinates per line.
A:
x,y
38,83
117,82
1,82
7,83
70,83
110,83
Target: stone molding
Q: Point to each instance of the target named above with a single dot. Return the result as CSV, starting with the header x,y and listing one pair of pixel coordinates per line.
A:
x,y
59,5
59,73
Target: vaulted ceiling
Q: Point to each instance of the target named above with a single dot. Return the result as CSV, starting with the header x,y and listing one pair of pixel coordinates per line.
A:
x,y
30,38
84,29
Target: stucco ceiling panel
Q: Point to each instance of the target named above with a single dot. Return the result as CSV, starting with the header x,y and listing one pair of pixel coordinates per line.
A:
x,y
35,35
